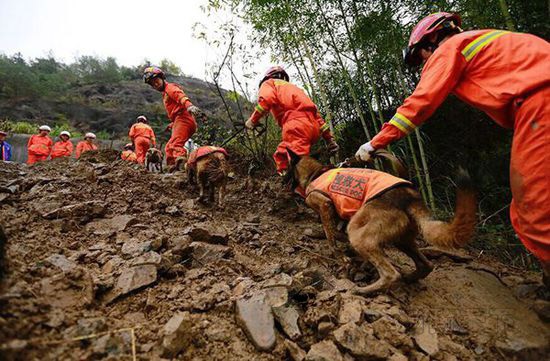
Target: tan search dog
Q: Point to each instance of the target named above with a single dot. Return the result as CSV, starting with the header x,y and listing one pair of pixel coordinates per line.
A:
x,y
394,217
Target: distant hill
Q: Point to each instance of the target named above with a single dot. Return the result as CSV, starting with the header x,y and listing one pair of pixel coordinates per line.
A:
x,y
111,107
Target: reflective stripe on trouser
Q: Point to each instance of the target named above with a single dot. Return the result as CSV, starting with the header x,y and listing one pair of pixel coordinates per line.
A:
x,y
530,174
182,130
142,145
299,134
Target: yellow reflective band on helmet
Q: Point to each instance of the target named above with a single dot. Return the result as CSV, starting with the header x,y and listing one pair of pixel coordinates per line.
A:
x,y
480,42
260,109
402,123
184,99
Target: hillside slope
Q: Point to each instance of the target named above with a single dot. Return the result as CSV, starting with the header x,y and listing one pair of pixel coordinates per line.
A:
x,y
110,107
103,258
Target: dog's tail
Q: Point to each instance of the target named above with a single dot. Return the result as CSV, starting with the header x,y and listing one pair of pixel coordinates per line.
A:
x,y
216,170
457,232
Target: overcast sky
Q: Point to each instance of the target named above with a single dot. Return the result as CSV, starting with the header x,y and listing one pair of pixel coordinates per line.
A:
x,y
129,30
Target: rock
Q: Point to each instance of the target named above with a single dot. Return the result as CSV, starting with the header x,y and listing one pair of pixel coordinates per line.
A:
x,y
351,310
276,296
134,248
324,328
542,309
387,328
104,227
206,233
112,264
112,345
295,352
426,338
92,209
73,289
324,351
343,284
176,334
61,262
360,342
255,317
456,328
151,257
180,245
314,233
287,317
172,210
133,279
280,280
204,253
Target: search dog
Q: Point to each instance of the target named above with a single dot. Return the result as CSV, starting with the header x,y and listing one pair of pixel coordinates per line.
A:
x,y
394,217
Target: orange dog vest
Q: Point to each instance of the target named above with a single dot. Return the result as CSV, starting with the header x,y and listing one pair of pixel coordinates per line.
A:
x,y
203,152
350,188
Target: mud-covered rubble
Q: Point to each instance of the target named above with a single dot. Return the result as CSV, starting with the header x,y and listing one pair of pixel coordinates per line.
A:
x,y
104,258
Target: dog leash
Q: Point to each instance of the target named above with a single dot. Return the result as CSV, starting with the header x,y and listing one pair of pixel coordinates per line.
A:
x,y
259,130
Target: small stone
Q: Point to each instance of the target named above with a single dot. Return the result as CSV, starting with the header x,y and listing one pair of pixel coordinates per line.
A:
x,y
456,328
255,317
205,233
61,262
133,279
111,225
134,248
324,328
172,210
351,310
180,244
314,233
176,334
295,352
287,317
276,296
426,338
204,253
324,351
147,258
282,279
387,328
361,342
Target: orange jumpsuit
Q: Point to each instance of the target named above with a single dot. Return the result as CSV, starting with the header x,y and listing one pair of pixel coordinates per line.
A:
x,y
350,188
143,137
62,149
83,147
38,148
296,114
507,75
183,124
129,156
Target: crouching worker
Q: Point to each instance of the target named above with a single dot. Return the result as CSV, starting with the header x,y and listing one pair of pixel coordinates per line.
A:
x,y
86,145
143,137
128,154
295,113
39,146
63,147
180,110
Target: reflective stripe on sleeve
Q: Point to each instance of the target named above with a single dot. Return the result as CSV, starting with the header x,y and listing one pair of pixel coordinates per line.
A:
x,y
402,123
260,109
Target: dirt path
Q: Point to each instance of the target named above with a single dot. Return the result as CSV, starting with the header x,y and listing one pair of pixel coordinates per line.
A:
x,y
105,261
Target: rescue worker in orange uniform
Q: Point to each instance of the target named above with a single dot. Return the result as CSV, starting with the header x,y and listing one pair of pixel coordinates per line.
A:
x,y
86,145
39,146
128,153
180,110
504,74
63,147
143,137
295,113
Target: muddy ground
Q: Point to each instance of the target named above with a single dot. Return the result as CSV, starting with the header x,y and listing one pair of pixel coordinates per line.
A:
x,y
107,262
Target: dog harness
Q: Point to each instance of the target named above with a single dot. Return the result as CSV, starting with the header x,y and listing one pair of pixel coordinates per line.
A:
x,y
203,152
350,188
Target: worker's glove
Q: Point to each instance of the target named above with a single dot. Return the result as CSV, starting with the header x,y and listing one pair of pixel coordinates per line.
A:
x,y
250,124
196,112
365,152
332,146
168,127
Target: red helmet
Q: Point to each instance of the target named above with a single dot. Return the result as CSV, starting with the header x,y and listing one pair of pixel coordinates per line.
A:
x,y
152,72
277,72
429,25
